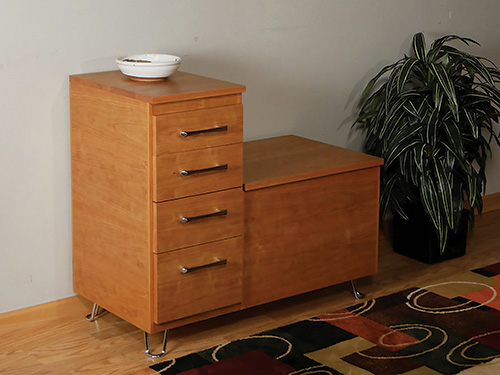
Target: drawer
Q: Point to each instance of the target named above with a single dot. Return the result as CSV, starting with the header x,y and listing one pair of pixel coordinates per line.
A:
x,y
198,129
198,279
208,217
197,172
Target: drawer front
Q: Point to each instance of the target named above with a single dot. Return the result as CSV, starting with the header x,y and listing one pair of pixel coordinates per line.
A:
x,y
195,220
197,172
198,129
198,279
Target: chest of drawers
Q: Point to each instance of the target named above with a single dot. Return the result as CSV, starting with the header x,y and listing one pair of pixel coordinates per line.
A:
x,y
157,196
175,220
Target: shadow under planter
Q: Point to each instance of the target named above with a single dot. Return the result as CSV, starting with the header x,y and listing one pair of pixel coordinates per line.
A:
x,y
417,238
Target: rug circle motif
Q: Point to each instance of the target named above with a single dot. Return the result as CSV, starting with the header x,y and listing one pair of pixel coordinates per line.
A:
x,y
407,327
339,315
413,299
465,346
311,370
172,362
287,351
403,344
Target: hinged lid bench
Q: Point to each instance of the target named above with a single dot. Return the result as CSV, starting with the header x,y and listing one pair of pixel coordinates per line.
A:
x,y
311,217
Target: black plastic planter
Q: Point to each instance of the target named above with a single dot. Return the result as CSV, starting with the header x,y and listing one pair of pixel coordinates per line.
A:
x,y
416,238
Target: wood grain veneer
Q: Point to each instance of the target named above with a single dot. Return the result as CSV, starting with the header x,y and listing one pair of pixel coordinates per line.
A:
x,y
179,87
117,128
171,233
167,129
307,235
171,184
311,217
111,206
285,159
491,202
204,290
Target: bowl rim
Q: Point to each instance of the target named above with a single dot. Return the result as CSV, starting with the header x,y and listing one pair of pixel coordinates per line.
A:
x,y
173,60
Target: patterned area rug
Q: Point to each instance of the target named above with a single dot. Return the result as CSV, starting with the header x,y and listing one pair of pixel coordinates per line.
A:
x,y
444,328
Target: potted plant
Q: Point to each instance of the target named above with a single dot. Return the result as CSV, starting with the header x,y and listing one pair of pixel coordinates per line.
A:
x,y
432,116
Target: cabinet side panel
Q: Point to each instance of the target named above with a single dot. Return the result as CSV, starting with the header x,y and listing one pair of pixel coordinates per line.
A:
x,y
111,202
308,235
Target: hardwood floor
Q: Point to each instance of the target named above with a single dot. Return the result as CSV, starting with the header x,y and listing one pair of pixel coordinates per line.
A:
x,y
55,338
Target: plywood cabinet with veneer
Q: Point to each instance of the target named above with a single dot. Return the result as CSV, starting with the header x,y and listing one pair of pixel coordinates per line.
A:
x,y
176,220
311,217
128,152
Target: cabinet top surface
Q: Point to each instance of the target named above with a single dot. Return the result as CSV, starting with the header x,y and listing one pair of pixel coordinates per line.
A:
x,y
285,159
179,86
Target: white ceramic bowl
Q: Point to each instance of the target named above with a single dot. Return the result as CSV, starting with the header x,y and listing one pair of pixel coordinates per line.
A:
x,y
148,66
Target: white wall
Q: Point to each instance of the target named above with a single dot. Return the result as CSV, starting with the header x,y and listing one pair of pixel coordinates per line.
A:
x,y
304,63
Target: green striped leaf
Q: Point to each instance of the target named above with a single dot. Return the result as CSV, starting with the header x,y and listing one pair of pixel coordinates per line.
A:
x,y
386,194
447,87
492,92
460,158
374,80
403,142
473,64
454,135
438,95
409,107
472,124
432,126
429,194
436,50
471,190
421,156
494,73
419,47
406,69
443,188
479,68
394,117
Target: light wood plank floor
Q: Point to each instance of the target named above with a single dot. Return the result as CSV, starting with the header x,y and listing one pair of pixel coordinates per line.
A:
x,y
55,338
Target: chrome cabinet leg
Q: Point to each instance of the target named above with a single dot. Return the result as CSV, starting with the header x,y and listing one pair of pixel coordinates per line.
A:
x,y
357,293
96,310
163,352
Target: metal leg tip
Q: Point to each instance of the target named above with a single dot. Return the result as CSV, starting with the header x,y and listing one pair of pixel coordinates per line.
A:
x,y
96,310
357,293
163,351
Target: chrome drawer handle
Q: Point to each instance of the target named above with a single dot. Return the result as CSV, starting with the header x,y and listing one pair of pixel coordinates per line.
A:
x,y
195,171
185,270
185,219
185,134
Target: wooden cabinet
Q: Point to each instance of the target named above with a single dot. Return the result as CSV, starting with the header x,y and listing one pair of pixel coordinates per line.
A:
x,y
175,220
157,189
311,217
